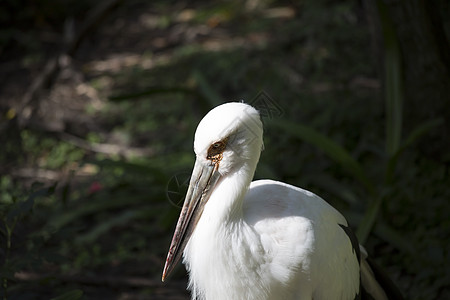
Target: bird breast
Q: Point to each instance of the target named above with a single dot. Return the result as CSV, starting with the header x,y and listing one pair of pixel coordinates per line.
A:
x,y
227,255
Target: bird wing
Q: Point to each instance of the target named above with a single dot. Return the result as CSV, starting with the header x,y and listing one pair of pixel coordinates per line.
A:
x,y
305,245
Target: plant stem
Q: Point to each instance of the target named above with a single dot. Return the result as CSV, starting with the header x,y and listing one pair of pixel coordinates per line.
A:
x,y
9,231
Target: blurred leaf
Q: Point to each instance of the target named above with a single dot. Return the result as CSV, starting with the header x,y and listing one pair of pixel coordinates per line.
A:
x,y
385,232
63,218
132,168
21,208
393,81
24,207
420,130
331,148
416,134
71,295
112,222
154,91
206,89
394,238
332,185
370,216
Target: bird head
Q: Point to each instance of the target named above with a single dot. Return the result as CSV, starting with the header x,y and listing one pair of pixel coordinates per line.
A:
x,y
227,139
229,136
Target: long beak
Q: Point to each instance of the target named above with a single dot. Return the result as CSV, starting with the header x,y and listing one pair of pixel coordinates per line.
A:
x,y
201,185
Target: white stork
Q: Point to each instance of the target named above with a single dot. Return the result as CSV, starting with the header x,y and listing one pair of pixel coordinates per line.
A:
x,y
263,239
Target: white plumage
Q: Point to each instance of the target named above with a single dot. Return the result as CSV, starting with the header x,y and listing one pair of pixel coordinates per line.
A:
x,y
263,239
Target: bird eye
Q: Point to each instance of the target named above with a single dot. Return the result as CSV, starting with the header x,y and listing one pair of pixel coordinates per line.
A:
x,y
216,149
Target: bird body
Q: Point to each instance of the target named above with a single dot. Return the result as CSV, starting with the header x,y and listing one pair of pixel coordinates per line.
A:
x,y
273,245
261,240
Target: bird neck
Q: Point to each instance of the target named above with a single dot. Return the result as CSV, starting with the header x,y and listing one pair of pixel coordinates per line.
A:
x,y
226,201
219,245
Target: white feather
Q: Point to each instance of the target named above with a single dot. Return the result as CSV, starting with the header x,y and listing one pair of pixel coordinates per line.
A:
x,y
265,239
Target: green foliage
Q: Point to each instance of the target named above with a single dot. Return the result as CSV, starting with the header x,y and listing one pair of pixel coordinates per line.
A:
x,y
332,149
70,295
13,214
393,80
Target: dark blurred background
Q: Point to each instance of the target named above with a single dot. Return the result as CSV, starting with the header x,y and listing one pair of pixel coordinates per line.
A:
x,y
100,100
